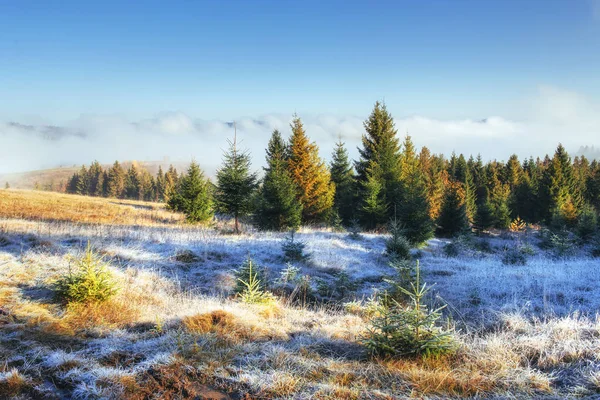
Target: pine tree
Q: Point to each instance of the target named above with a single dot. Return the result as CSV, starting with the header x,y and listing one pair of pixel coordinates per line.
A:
x,y
160,185
147,185
132,183
470,196
499,201
373,210
513,172
171,183
116,181
235,184
278,208
95,179
593,186
413,207
379,159
193,197
6,185
82,181
564,197
453,215
484,217
310,174
342,175
437,179
460,169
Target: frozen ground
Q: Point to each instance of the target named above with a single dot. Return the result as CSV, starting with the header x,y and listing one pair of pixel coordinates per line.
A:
x,y
526,330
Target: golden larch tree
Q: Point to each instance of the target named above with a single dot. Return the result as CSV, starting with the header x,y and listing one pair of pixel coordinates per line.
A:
x,y
310,174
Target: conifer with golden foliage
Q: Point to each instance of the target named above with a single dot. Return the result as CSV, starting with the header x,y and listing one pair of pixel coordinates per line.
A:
x,y
310,174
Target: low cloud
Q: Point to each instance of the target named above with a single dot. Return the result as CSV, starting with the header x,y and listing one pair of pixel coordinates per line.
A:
x,y
553,116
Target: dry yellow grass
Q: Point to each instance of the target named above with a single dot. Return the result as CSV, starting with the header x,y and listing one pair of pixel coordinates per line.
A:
x,y
49,206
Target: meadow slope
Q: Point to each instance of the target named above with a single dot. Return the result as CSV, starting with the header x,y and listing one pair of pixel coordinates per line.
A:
x,y
174,330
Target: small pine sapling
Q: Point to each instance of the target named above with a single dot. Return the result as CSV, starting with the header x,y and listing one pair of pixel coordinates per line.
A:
x,y
404,331
397,245
90,282
251,284
293,250
354,230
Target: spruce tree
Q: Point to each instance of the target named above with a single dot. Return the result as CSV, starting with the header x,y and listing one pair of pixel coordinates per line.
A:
x,y
593,186
82,181
315,191
73,183
278,208
484,217
342,175
437,179
499,202
147,186
565,199
132,183
235,184
470,196
95,179
373,209
193,197
116,181
171,183
379,159
160,185
453,214
513,172
412,206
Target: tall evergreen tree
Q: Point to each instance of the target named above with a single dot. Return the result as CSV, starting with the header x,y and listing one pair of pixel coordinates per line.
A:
x,y
499,200
453,215
513,172
413,207
342,175
380,160
470,196
310,174
484,217
82,181
278,208
565,199
132,182
193,197
437,179
373,208
171,183
235,184
95,179
593,186
146,185
116,181
160,185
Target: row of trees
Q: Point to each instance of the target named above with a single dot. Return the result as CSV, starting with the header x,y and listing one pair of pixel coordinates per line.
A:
x,y
134,183
423,192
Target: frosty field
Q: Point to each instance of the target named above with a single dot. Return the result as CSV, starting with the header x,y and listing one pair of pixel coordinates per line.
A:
x,y
524,330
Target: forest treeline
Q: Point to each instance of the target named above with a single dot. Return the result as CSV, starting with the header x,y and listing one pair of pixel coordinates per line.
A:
x,y
391,179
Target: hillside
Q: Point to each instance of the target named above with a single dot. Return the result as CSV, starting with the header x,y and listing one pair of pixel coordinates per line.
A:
x,y
60,207
54,178
175,328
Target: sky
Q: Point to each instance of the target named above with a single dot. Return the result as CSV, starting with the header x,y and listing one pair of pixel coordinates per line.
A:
x,y
145,80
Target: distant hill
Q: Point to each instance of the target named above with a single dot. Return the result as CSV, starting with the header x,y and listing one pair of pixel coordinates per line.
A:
x,y
590,152
56,178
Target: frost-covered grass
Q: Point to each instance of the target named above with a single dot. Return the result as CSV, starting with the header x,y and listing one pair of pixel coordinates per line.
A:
x,y
524,330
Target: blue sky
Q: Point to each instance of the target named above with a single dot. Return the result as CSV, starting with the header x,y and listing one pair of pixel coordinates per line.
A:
x,y
439,65
222,59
